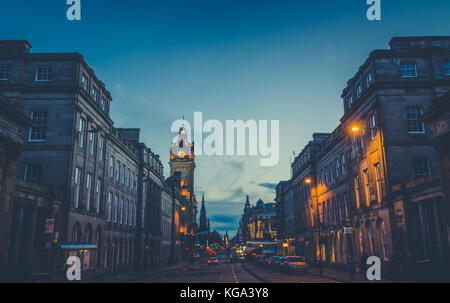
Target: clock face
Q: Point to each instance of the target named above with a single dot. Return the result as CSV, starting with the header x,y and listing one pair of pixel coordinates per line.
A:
x,y
181,154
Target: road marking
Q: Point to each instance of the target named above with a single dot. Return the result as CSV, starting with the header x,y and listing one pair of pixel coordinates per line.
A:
x,y
234,273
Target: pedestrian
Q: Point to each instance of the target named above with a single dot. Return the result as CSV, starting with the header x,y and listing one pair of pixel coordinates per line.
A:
x,y
363,266
351,267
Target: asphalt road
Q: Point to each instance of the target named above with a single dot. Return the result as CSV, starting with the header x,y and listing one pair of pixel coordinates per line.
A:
x,y
201,272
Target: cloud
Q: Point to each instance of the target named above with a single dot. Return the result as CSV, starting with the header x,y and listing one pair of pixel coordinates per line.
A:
x,y
271,186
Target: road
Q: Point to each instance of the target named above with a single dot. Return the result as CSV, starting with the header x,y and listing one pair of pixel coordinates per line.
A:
x,y
201,272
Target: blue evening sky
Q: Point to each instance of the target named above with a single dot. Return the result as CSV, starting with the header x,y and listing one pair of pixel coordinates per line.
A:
x,y
262,60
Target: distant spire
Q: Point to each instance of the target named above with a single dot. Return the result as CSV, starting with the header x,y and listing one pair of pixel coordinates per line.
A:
x,y
203,223
247,202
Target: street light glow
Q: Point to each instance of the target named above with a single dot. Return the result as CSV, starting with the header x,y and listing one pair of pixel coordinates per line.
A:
x,y
355,128
308,180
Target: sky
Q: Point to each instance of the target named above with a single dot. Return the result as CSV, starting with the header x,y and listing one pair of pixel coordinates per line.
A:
x,y
229,59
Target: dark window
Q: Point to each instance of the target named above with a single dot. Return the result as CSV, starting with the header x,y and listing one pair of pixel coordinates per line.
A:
x,y
38,132
4,72
33,173
421,168
44,73
446,69
414,119
408,70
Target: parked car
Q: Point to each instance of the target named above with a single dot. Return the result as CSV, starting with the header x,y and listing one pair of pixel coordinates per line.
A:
x,y
278,264
213,261
295,264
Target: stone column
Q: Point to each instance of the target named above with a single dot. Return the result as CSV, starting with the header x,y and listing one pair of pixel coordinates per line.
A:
x,y
6,199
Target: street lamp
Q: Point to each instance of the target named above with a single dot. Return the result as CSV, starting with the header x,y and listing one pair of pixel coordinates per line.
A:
x,y
183,208
308,180
356,128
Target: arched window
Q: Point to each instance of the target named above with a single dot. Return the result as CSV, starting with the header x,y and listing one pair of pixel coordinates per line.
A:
x,y
371,239
88,234
76,233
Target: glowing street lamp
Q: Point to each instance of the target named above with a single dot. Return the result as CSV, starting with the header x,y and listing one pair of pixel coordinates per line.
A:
x,y
356,128
183,208
308,181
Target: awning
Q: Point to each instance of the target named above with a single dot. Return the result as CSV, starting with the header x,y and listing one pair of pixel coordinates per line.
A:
x,y
77,246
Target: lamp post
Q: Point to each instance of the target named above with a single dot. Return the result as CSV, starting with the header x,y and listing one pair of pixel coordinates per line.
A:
x,y
309,181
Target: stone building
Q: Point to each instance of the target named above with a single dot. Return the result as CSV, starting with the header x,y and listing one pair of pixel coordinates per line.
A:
x,y
285,217
381,145
262,222
74,148
13,130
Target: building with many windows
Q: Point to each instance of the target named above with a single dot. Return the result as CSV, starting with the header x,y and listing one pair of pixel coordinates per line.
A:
x,y
111,183
364,181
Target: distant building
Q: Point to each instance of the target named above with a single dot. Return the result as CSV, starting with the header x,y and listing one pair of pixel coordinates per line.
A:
x,y
262,222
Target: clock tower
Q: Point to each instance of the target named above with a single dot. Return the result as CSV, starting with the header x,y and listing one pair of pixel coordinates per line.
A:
x,y
182,160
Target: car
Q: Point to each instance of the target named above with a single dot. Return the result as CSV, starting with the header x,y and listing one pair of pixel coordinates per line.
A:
x,y
213,261
295,264
195,255
278,262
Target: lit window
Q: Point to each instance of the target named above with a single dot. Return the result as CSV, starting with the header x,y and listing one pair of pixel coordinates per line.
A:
x,y
367,186
32,173
414,119
44,73
378,181
38,132
4,72
408,70
446,69
421,168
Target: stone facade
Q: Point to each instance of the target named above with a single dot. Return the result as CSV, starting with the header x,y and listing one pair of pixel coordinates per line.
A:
x,y
381,144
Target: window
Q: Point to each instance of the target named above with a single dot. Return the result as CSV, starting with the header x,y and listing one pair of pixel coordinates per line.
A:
x,y
98,190
101,148
358,90
378,181
111,167
446,69
94,94
81,132
343,170
130,213
84,83
88,191
421,168
44,73
118,171
109,207
367,186
128,177
349,100
115,208
33,173
124,171
408,70
337,167
4,72
121,210
357,194
77,195
91,143
369,79
103,104
414,119
38,132
134,181
125,215
373,126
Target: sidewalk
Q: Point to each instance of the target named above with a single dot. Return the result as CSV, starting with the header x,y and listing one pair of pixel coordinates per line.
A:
x,y
342,276
125,277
